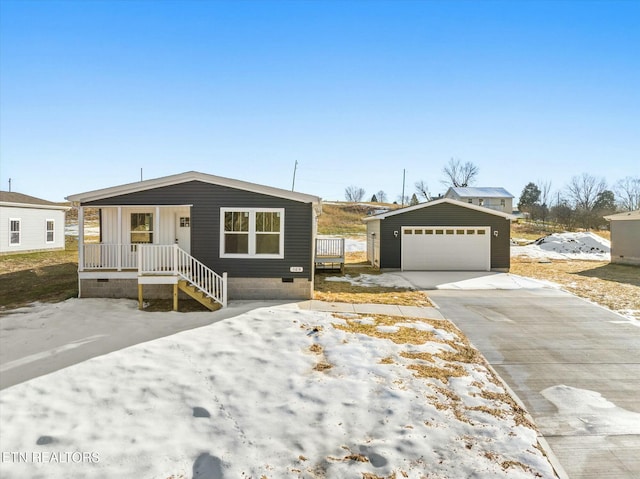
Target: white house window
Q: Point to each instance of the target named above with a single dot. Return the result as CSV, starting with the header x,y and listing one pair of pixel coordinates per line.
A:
x,y
481,202
185,222
141,227
14,231
470,201
252,233
503,203
50,231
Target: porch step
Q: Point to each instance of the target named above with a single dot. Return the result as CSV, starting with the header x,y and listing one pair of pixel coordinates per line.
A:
x,y
198,295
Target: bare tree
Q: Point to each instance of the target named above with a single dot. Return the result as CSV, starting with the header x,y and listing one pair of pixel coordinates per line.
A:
x,y
382,196
423,190
354,194
584,190
545,199
458,174
627,191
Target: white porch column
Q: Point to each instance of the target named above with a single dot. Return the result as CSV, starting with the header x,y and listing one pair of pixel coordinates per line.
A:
x,y
80,238
156,226
119,239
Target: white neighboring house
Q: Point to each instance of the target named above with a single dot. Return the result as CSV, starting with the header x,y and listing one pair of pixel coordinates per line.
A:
x,y
30,224
494,198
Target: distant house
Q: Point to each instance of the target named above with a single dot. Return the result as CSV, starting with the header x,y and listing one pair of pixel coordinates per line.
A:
x,y
201,234
625,237
440,235
30,224
497,199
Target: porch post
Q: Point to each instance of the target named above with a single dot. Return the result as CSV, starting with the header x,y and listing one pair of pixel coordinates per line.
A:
x,y
224,289
119,236
156,226
140,300
175,297
80,238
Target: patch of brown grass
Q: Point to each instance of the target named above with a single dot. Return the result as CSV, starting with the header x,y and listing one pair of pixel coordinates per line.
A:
x,y
345,292
403,334
614,286
46,276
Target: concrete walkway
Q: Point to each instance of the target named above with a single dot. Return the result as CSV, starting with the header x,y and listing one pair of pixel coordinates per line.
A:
x,y
390,309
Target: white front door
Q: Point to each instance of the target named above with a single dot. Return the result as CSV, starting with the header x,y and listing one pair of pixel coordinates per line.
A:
x,y
183,230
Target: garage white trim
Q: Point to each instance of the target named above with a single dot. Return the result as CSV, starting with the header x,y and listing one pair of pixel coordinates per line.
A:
x,y
446,248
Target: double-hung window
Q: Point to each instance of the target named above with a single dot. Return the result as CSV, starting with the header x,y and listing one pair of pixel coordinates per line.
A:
x,y
141,228
50,231
14,231
252,233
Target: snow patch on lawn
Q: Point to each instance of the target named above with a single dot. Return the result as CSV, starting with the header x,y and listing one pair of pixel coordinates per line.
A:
x,y
245,397
582,246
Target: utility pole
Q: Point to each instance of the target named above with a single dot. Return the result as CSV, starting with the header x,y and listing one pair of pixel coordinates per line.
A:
x,y
9,185
140,174
404,174
295,167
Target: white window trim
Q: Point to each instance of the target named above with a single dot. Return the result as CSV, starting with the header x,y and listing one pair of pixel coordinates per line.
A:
x,y
46,231
252,233
19,220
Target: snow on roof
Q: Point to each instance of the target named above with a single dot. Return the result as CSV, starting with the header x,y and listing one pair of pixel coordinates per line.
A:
x,y
484,192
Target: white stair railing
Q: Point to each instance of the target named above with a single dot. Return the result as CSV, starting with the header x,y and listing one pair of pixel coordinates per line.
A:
x,y
170,259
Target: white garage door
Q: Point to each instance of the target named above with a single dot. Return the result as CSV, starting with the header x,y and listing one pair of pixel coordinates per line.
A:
x,y
446,248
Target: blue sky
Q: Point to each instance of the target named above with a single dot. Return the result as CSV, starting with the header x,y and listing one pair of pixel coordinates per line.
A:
x,y
355,91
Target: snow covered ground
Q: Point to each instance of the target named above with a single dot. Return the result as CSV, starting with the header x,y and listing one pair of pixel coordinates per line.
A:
x,y
274,393
581,246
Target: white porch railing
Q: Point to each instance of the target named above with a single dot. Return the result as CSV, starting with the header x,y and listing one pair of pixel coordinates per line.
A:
x,y
151,259
110,256
170,259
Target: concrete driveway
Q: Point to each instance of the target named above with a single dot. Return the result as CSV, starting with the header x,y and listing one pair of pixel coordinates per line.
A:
x,y
575,366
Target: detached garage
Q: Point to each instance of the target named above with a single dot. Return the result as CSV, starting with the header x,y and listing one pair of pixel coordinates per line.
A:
x,y
442,235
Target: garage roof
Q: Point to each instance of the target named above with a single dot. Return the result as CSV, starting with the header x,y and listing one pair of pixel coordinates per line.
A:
x,y
438,202
626,216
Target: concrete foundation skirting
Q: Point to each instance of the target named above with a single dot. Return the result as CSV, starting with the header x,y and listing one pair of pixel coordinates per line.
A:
x,y
238,288
269,288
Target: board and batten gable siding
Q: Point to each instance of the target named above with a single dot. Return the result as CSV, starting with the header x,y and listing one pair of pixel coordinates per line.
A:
x,y
207,199
443,215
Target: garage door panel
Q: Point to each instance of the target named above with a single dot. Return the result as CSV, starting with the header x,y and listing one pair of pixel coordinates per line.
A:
x,y
446,248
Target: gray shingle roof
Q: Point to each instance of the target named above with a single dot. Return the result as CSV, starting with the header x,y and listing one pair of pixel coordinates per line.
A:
x,y
13,197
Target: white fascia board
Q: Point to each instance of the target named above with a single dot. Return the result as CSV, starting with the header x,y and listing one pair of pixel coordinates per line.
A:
x,y
191,176
438,202
34,206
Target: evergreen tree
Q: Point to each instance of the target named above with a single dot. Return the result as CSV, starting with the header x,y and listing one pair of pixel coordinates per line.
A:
x,y
529,198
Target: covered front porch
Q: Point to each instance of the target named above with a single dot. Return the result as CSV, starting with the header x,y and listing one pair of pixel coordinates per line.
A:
x,y
149,244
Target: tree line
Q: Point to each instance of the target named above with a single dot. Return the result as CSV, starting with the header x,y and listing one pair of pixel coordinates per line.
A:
x,y
583,202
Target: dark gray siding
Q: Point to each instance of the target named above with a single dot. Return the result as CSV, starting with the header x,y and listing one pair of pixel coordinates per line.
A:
x,y
207,199
444,215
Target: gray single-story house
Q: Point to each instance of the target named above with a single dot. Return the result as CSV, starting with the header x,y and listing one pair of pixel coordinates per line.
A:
x,y
196,231
30,224
625,237
444,234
